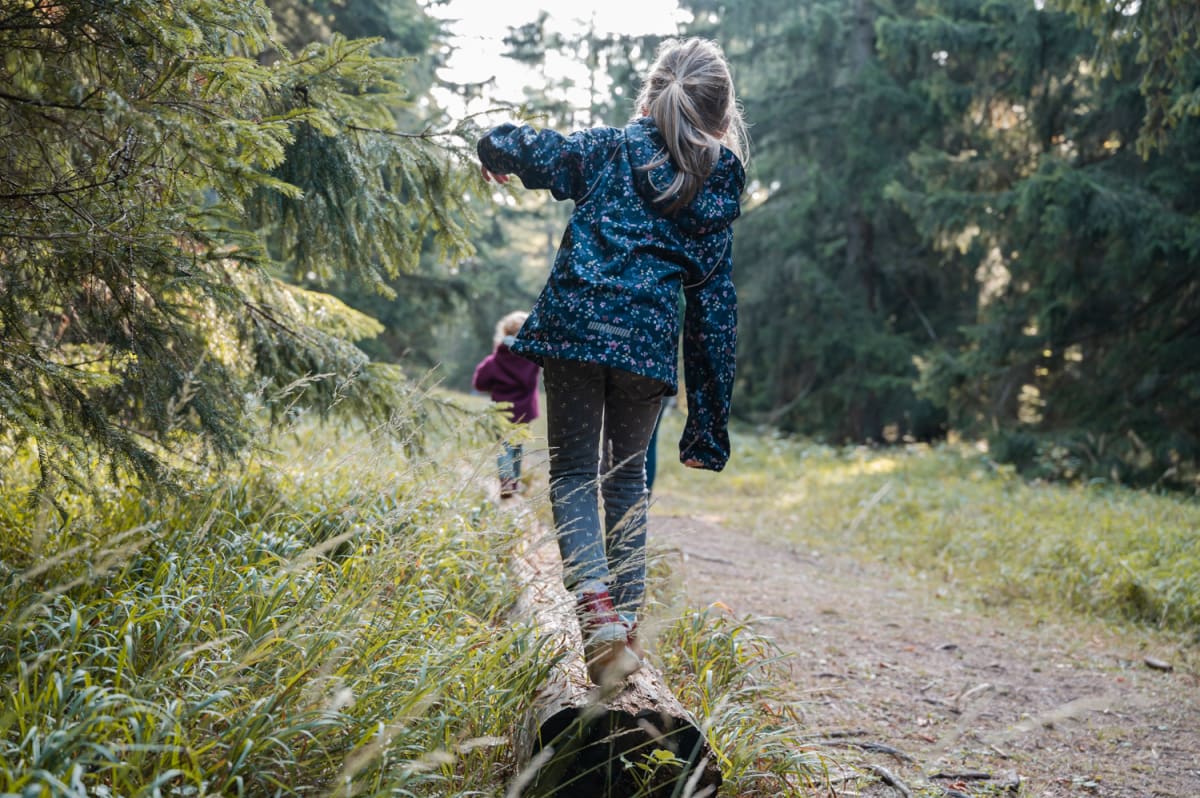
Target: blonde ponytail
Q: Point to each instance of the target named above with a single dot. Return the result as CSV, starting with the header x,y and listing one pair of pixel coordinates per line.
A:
x,y
689,95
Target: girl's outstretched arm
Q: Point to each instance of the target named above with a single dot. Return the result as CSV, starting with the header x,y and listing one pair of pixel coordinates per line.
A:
x,y
566,165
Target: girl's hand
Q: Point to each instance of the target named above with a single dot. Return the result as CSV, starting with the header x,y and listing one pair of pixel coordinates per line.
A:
x,y
488,176
693,463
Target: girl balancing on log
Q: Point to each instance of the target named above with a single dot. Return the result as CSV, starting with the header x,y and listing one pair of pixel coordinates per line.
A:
x,y
654,202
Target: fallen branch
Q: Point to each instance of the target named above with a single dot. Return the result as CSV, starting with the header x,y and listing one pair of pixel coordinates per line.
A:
x,y
880,748
875,748
999,751
890,780
968,775
1010,782
839,733
967,695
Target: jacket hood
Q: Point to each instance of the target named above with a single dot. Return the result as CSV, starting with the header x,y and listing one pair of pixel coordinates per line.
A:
x,y
717,203
510,362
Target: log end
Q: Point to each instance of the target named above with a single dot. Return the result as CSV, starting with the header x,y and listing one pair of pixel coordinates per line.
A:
x,y
595,751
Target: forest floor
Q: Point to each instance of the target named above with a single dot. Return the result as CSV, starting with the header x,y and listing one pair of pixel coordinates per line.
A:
x,y
903,681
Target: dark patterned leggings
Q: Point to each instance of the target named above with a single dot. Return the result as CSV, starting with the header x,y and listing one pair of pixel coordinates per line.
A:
x,y
597,416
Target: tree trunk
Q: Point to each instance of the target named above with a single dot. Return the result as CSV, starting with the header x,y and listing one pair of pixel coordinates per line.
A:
x,y
860,245
582,741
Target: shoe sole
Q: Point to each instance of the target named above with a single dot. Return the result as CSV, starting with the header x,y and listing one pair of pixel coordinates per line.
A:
x,y
607,633
611,662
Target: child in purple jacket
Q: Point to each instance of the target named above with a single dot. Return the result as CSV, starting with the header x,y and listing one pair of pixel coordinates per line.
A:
x,y
508,377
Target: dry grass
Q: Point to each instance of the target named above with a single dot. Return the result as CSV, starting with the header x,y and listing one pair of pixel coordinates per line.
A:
x,y
1113,552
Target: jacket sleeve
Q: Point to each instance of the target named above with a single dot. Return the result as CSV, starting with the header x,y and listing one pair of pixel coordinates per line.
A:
x,y
709,342
566,165
484,377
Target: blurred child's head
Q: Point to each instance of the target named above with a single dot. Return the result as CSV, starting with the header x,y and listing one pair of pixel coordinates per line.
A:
x,y
689,94
509,325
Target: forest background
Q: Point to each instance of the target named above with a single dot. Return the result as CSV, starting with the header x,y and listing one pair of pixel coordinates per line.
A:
x,y
224,221
965,219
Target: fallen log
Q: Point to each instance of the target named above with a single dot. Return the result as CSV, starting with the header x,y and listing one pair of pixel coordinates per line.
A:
x,y
584,741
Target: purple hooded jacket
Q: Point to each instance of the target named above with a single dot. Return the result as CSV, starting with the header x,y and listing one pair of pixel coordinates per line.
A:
x,y
508,377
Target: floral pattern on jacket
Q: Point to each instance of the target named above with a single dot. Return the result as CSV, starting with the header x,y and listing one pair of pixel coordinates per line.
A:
x,y
612,295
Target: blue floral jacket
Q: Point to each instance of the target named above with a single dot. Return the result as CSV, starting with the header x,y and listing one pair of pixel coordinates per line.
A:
x,y
613,294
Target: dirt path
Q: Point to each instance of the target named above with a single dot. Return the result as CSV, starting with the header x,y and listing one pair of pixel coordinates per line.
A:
x,y
880,658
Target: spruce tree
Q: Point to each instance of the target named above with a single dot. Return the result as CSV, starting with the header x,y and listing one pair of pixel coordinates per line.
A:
x,y
956,203
157,155
1084,353
837,291
1166,35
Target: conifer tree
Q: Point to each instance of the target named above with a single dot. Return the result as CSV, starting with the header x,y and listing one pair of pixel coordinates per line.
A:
x,y
412,302
961,207
837,291
1083,355
1166,34
157,154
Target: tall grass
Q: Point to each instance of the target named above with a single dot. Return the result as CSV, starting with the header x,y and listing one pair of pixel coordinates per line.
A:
x,y
950,510
331,620
731,676
325,623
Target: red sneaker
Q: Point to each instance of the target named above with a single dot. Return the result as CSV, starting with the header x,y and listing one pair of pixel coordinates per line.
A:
x,y
605,639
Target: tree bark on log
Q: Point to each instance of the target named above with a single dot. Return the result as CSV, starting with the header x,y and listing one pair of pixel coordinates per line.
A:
x,y
584,741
